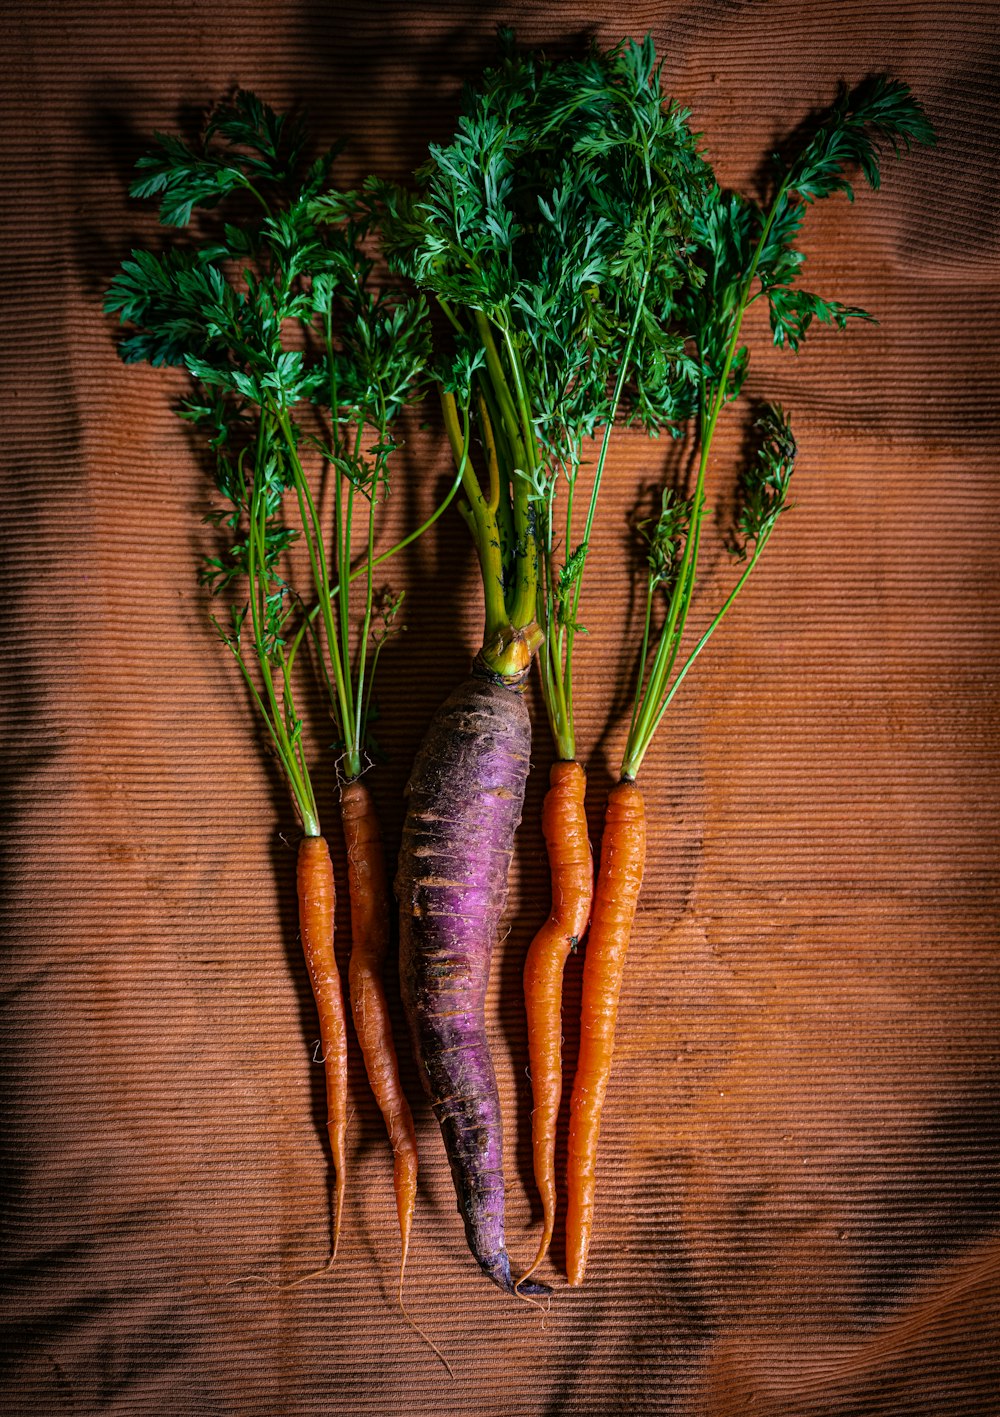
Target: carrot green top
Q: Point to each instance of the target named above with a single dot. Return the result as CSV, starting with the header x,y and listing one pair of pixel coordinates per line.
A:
x,y
575,238
549,230
299,359
744,251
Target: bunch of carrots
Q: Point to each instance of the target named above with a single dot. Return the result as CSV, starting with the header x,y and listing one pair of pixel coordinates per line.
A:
x,y
589,274
300,365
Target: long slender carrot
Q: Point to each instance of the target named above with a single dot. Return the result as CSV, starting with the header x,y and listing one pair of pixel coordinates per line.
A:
x,y
317,901
369,891
623,854
564,824
879,113
363,355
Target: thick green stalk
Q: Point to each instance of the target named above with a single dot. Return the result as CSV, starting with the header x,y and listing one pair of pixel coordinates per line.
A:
x,y
483,522
506,463
510,419
525,556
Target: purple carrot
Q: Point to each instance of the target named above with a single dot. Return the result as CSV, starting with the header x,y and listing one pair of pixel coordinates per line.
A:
x,y
465,796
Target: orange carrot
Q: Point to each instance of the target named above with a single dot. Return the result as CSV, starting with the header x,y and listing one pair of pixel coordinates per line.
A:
x,y
623,853
317,900
564,823
369,892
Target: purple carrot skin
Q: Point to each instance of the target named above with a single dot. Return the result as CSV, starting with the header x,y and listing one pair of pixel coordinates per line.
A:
x,y
465,797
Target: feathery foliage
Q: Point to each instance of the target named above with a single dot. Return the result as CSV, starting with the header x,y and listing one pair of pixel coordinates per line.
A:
x,y
294,349
745,251
553,230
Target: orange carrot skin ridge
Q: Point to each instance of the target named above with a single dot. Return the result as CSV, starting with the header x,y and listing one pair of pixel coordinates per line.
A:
x,y
317,904
623,854
564,824
369,892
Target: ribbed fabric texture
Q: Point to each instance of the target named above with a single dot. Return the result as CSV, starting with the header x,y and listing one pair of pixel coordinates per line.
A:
x,y
797,1204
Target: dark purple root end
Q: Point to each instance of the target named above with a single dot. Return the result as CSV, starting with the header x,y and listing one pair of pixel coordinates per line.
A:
x,y
465,796
468,1139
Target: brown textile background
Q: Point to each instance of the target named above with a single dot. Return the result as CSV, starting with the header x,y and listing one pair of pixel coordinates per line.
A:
x,y
798,1209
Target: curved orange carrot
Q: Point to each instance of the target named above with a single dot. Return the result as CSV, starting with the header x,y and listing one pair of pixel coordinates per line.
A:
x,y
564,824
623,853
369,892
317,901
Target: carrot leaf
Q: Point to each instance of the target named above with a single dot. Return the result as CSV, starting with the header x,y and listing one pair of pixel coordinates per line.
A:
x,y
294,347
743,251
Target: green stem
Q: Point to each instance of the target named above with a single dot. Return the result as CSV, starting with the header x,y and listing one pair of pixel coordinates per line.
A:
x,y
644,655
483,524
558,702
320,572
342,541
506,462
557,666
383,556
339,649
560,712
367,622
295,768
655,697
371,678
645,709
249,187
292,725
632,766
601,460
498,380
564,643
301,792
523,609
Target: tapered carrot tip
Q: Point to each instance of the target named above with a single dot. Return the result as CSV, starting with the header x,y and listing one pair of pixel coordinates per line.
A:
x,y
576,1265
498,1269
